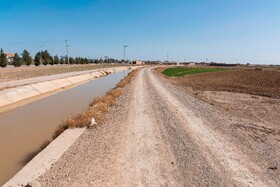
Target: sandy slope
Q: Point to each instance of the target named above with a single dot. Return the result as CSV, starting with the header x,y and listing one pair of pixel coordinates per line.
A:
x,y
160,136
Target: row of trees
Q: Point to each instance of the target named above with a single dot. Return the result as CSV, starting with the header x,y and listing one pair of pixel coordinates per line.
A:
x,y
44,57
26,59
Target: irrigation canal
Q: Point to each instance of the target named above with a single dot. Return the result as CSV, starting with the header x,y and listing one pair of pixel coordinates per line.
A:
x,y
24,129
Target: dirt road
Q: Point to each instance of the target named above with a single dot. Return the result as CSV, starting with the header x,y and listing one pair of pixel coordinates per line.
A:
x,y
158,135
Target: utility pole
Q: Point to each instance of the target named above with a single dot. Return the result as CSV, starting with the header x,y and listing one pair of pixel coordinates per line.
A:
x,y
124,47
67,51
40,52
167,56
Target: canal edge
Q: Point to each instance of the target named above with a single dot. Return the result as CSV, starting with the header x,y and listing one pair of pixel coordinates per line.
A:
x,y
44,160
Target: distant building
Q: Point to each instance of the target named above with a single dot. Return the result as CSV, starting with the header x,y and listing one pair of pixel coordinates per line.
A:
x,y
138,62
10,58
192,64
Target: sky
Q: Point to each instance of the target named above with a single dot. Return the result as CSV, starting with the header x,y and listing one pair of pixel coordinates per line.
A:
x,y
228,31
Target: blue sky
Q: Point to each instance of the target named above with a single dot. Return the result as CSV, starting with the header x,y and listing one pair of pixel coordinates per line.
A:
x,y
221,30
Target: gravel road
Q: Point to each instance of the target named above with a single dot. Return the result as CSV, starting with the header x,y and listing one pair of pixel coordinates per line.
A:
x,y
157,135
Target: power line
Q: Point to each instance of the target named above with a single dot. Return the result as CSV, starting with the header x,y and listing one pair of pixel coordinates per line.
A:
x,y
31,43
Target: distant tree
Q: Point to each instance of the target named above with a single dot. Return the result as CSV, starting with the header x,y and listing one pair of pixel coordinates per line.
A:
x,y
26,58
56,59
46,57
3,59
51,60
61,60
71,60
77,60
90,61
17,61
66,60
86,61
37,59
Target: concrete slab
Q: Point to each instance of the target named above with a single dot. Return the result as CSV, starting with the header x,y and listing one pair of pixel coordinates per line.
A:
x,y
17,94
4,100
44,160
73,80
61,83
84,77
44,87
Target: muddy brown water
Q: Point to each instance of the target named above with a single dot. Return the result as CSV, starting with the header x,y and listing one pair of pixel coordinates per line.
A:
x,y
23,130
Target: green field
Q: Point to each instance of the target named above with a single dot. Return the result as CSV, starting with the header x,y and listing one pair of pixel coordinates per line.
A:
x,y
180,71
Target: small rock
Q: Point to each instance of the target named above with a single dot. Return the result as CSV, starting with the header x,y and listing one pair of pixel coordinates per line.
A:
x,y
34,183
93,122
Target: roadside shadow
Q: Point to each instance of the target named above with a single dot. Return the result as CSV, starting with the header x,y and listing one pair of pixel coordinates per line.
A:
x,y
29,157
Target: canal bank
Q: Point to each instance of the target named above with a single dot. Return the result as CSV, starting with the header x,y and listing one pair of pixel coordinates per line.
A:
x,y
24,129
25,91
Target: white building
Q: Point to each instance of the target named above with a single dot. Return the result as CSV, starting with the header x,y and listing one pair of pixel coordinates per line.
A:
x,y
10,58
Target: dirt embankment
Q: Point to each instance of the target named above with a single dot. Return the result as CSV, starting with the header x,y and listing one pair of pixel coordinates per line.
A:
x,y
263,83
159,135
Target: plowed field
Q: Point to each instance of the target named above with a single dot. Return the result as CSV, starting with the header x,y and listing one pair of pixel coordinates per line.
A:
x,y
264,83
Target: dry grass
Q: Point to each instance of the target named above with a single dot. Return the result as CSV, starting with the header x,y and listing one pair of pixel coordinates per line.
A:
x,y
127,80
99,106
97,109
80,120
45,144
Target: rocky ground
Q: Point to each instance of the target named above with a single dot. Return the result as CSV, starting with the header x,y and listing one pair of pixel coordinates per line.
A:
x,y
160,134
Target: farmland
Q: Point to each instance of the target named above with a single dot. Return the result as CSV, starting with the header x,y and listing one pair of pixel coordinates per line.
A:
x,y
180,71
263,83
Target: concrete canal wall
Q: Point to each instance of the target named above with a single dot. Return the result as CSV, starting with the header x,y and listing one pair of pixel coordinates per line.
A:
x,y
16,96
43,161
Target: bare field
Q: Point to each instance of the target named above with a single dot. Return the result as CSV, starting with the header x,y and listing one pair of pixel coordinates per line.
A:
x,y
9,74
263,83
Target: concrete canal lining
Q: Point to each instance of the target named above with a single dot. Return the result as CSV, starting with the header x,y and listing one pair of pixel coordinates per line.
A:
x,y
13,97
44,160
